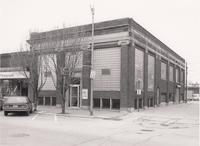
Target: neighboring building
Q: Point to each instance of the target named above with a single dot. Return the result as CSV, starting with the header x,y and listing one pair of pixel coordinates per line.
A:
x,y
12,78
133,68
192,90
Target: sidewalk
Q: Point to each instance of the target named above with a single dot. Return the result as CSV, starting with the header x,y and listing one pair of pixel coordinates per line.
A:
x,y
83,113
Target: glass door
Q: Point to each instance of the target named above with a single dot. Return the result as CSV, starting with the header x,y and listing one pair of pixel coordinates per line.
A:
x,y
74,95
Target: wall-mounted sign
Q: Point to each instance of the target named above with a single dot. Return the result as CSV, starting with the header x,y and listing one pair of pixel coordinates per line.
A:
x,y
14,75
84,93
92,74
139,91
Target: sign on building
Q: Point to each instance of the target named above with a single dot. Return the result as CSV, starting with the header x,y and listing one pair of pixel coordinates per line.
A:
x,y
92,74
139,91
84,93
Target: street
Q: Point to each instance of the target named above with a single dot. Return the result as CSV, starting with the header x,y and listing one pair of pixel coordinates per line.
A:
x,y
172,125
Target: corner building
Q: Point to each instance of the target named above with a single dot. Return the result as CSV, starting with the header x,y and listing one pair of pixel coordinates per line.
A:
x,y
133,68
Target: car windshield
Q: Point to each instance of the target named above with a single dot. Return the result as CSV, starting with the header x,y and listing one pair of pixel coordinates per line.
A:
x,y
15,99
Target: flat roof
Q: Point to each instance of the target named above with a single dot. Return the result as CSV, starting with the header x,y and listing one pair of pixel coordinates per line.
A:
x,y
110,24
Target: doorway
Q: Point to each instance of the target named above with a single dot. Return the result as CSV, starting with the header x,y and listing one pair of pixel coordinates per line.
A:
x,y
74,96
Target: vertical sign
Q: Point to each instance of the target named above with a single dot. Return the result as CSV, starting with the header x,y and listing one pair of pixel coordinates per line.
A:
x,y
84,93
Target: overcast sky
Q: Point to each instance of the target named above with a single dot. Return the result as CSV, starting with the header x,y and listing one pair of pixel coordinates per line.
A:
x,y
174,22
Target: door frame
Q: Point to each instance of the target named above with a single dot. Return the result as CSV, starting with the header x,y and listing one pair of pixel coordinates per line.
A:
x,y
78,94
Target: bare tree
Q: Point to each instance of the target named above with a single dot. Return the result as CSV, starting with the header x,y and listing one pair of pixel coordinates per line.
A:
x,y
31,63
64,61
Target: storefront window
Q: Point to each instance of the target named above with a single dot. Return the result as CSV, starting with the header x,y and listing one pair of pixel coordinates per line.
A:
x,y
182,76
139,69
163,70
171,74
151,72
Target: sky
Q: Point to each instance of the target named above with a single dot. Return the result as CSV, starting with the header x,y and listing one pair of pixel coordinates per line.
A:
x,y
174,22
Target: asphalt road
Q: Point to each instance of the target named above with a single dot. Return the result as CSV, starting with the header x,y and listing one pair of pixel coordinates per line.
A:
x,y
171,125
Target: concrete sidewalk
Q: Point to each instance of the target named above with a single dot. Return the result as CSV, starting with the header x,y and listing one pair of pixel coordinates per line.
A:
x,y
83,113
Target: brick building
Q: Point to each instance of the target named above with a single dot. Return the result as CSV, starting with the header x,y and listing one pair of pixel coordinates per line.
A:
x,y
133,68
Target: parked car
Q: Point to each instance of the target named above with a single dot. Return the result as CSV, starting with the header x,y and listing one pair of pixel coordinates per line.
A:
x,y
196,97
14,104
1,104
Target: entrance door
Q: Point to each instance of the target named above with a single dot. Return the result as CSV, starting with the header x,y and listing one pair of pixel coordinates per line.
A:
x,y
75,95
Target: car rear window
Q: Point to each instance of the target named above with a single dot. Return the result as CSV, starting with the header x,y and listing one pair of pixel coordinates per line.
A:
x,y
16,100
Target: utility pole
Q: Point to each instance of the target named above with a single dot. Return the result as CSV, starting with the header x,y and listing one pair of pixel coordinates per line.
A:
x,y
186,82
92,73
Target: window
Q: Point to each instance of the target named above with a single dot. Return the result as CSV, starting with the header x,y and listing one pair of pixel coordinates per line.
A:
x,y
182,76
139,69
163,97
151,72
96,102
105,71
115,103
53,101
177,76
163,70
47,100
105,103
171,73
40,101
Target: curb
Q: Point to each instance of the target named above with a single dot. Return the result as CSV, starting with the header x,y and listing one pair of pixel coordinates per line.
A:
x,y
116,118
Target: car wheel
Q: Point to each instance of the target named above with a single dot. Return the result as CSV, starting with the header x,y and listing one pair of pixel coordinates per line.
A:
x,y
5,113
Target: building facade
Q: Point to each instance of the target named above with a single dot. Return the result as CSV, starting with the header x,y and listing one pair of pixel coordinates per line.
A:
x,y
133,69
13,81
193,90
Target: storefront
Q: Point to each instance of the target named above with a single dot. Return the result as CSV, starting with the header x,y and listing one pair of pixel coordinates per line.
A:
x,y
13,83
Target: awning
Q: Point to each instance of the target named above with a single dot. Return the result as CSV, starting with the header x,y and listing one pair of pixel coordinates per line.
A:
x,y
14,75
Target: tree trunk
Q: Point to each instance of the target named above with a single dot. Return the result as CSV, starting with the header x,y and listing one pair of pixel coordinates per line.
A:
x,y
63,104
35,99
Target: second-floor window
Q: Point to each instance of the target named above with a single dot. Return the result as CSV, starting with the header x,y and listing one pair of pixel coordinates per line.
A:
x,y
171,73
163,71
177,76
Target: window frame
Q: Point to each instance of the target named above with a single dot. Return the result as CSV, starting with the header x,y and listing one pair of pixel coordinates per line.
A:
x,y
107,72
143,74
177,75
161,75
171,76
154,59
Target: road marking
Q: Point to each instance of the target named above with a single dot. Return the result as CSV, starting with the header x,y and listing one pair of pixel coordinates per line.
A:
x,y
35,117
55,118
37,114
40,112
